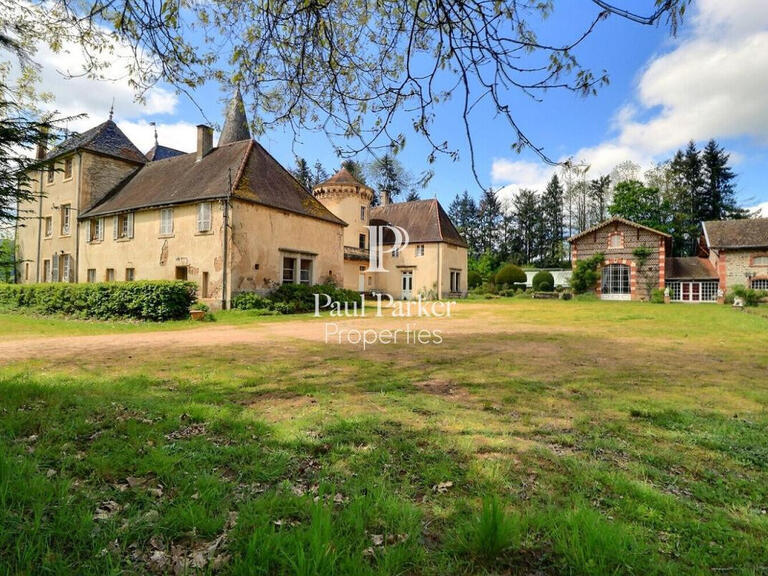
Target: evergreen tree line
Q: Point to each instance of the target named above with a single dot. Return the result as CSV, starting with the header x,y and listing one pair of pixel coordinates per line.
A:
x,y
532,227
383,174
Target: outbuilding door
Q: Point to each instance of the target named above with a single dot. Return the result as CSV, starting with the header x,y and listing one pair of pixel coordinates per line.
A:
x,y
615,282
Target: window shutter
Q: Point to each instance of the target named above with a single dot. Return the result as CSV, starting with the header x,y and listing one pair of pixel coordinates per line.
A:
x,y
130,224
55,267
101,228
114,227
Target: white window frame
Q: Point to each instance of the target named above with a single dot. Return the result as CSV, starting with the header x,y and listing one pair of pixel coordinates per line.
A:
x,y
46,270
305,278
66,268
55,268
204,217
419,250
166,221
66,219
759,284
291,278
760,261
616,281
123,229
48,226
96,230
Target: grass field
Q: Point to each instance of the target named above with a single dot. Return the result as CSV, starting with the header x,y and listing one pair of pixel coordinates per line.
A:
x,y
551,438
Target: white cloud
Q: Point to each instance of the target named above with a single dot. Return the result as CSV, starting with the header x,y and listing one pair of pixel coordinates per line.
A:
x,y
519,174
179,135
762,208
710,85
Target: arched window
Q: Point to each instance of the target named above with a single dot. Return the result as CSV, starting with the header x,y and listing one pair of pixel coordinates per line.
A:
x,y
615,280
615,241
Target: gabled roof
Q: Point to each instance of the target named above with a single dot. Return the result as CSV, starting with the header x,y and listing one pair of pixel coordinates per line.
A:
x,y
342,177
747,233
689,268
256,177
106,138
160,152
235,121
424,220
613,220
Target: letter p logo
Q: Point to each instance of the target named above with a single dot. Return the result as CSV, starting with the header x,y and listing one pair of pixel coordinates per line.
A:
x,y
397,236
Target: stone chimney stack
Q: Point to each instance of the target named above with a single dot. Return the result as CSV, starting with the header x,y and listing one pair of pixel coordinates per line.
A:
x,y
384,197
42,145
204,141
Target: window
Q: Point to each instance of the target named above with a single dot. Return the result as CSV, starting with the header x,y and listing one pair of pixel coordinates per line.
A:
x,y
46,270
204,286
615,241
55,268
395,252
123,226
130,274
66,268
760,261
50,173
455,281
66,219
110,275
48,225
68,169
305,272
26,271
181,273
419,249
166,221
204,217
91,275
96,230
759,284
615,279
289,270
362,213
361,241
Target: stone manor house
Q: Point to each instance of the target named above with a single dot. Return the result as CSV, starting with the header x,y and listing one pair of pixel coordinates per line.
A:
x,y
228,217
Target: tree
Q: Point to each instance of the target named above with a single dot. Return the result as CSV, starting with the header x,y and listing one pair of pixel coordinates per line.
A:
x,y
552,217
319,174
464,215
599,191
356,169
303,173
527,215
388,175
488,220
638,203
7,260
351,69
413,195
719,193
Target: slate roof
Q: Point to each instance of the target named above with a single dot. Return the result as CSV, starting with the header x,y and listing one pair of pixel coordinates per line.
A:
x,y
106,138
605,223
692,268
256,176
748,233
160,152
424,220
342,177
235,121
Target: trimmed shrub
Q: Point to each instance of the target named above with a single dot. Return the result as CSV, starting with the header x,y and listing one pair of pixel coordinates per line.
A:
x,y
585,274
156,300
510,275
301,297
251,301
657,296
543,282
474,279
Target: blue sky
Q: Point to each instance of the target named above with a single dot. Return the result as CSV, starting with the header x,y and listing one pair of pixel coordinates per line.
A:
x,y
710,81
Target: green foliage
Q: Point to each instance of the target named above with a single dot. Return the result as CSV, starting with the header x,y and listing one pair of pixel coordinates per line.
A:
x,y
156,300
510,274
474,279
543,282
642,204
585,274
7,261
301,297
251,301
484,265
492,532
657,296
749,296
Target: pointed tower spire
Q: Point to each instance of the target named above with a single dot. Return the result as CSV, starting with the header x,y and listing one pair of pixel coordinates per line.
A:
x,y
235,121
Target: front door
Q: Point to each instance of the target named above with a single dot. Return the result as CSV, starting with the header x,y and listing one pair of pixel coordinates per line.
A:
x,y
407,285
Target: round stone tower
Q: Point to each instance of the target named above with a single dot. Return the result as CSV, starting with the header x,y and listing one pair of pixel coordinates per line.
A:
x,y
350,200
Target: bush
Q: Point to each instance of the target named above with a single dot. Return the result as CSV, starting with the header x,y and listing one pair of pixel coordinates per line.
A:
x,y
657,296
251,301
509,275
474,279
750,297
585,274
302,296
156,300
543,282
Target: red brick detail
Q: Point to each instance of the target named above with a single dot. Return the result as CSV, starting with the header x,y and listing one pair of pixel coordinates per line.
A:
x,y
721,270
757,255
662,264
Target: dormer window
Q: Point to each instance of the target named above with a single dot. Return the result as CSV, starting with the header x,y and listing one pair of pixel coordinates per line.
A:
x,y
615,241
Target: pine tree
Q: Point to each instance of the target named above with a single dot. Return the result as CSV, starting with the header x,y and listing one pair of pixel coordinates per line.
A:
x,y
719,198
356,169
489,218
464,215
303,173
413,195
389,176
319,175
552,216
527,216
599,191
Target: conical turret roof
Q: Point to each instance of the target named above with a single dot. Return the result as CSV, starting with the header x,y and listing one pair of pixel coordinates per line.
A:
x,y
235,122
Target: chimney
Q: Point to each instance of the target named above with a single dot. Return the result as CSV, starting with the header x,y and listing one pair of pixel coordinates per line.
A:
x,y
42,144
384,197
204,141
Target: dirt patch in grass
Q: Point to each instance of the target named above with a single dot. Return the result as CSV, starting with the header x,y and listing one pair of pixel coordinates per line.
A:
x,y
442,387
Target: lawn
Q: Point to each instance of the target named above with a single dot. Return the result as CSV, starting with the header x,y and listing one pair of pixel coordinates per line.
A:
x,y
541,437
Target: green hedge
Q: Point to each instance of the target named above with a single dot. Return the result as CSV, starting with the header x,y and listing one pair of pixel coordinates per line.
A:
x,y
290,298
157,300
510,274
543,281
